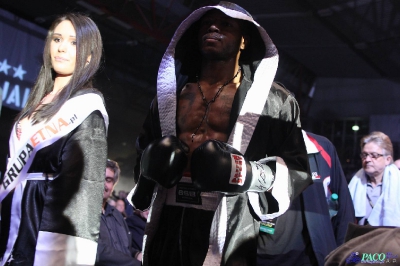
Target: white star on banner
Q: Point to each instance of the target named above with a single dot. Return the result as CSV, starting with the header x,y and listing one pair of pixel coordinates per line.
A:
x,y
4,67
19,72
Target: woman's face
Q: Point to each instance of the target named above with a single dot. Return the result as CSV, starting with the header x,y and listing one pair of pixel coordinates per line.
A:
x,y
63,49
374,166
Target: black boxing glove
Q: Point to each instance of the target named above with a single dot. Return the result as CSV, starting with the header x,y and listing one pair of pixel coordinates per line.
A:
x,y
143,193
217,166
164,161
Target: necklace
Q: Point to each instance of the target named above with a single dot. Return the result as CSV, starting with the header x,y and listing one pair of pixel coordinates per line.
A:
x,y
212,100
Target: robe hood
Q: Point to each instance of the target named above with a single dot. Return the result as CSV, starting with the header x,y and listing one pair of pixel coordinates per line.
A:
x,y
181,63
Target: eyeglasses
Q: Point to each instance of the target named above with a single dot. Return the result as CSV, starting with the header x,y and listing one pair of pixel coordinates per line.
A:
x,y
373,155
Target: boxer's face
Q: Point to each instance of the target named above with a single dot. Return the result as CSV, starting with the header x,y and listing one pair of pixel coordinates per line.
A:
x,y
220,36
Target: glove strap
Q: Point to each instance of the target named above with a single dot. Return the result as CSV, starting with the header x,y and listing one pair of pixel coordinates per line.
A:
x,y
263,177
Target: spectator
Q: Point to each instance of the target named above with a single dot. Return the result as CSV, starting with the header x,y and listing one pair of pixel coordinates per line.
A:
x,y
115,243
128,207
120,206
123,195
306,234
375,188
112,202
137,224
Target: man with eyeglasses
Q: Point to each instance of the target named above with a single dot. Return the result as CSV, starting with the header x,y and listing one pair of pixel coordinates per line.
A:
x,y
375,188
115,244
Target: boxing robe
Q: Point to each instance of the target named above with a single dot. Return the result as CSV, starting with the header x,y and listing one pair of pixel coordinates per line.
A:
x,y
264,122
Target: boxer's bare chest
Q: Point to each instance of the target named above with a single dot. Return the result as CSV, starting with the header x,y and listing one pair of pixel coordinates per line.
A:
x,y
203,113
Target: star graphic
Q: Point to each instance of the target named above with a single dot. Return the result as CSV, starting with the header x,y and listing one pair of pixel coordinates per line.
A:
x,y
4,67
19,72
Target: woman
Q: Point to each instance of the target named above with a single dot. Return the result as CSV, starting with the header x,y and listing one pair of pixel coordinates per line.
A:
x,y
375,188
52,190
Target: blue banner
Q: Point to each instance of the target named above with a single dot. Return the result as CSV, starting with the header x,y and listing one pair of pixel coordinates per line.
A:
x,y
21,50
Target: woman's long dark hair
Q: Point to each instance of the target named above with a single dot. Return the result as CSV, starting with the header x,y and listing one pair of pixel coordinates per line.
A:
x,y
89,42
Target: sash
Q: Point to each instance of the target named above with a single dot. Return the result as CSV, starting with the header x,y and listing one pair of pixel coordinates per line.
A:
x,y
68,118
64,121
